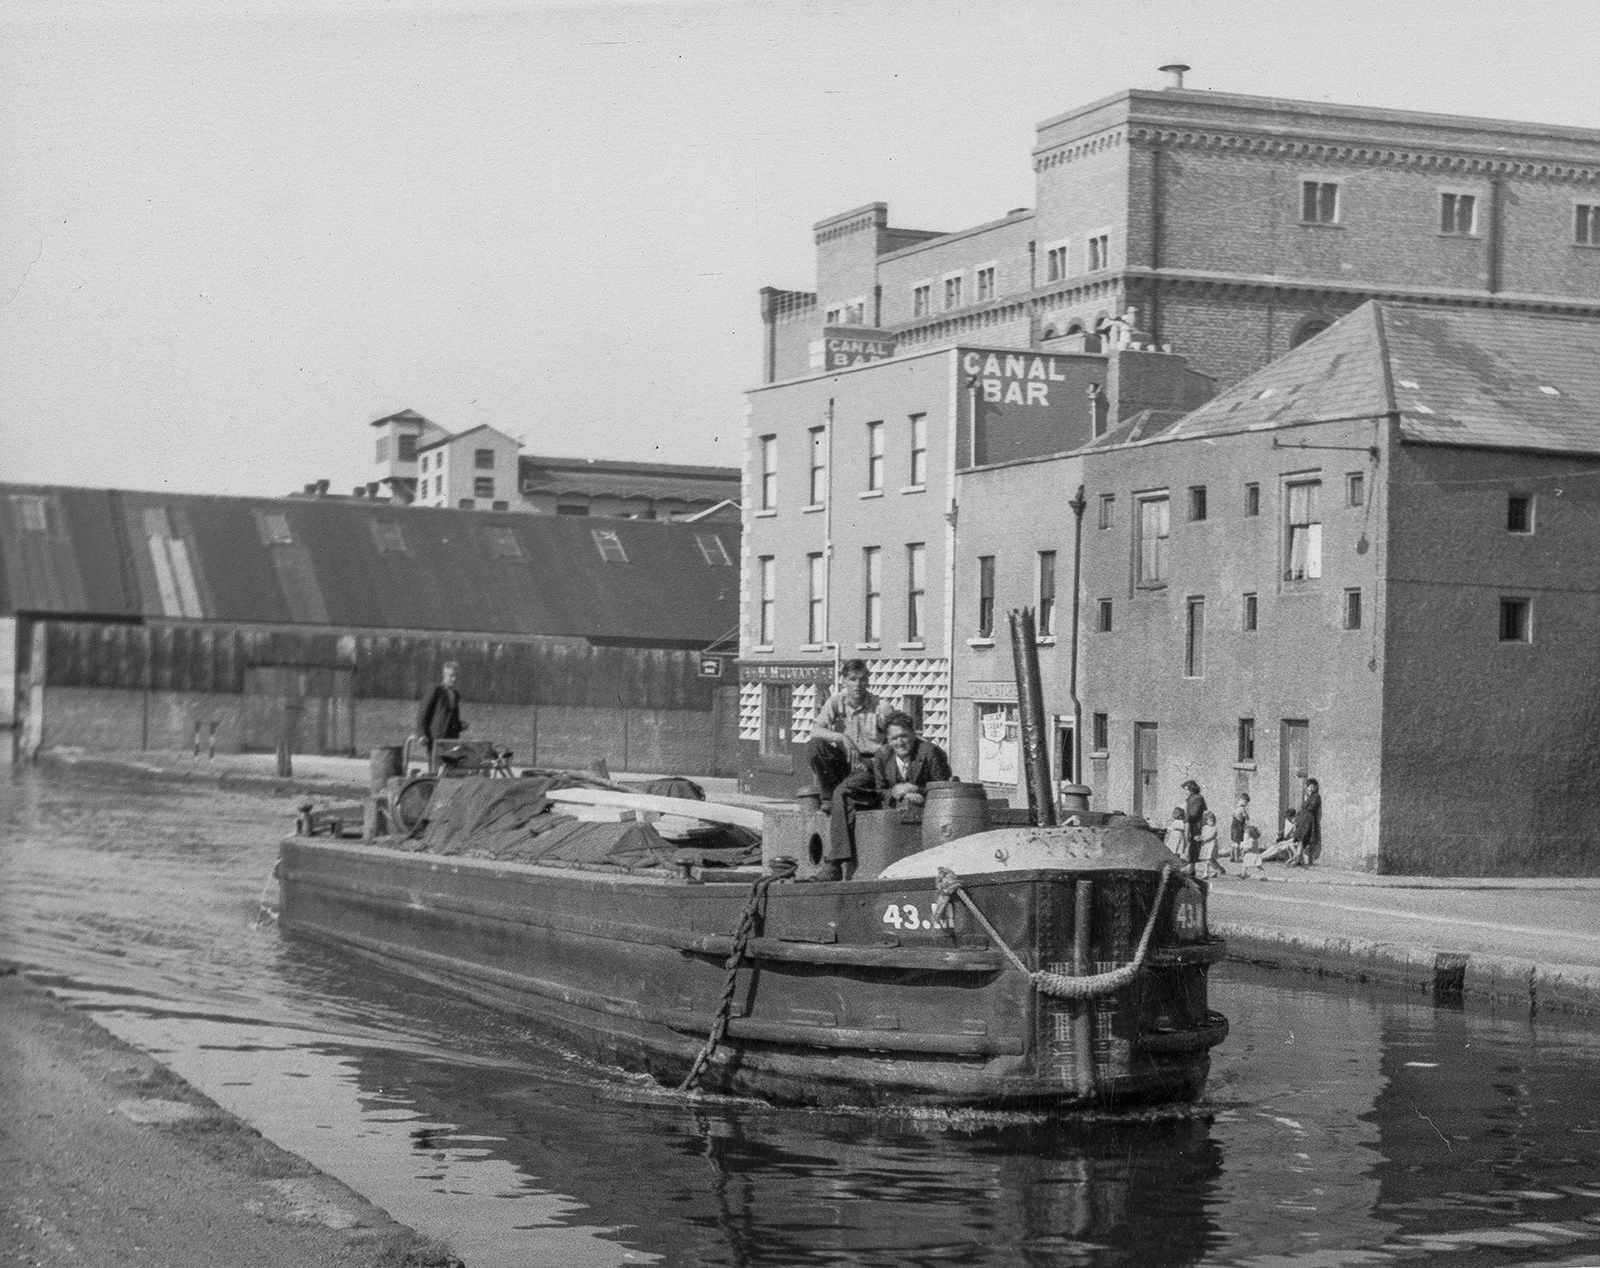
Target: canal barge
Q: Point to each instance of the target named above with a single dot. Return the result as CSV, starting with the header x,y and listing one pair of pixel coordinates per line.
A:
x,y
977,957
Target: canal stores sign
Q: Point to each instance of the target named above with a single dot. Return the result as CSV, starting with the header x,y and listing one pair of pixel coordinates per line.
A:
x,y
842,347
1026,404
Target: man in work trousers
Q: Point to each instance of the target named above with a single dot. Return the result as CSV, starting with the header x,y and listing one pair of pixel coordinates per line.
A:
x,y
898,775
848,730
439,715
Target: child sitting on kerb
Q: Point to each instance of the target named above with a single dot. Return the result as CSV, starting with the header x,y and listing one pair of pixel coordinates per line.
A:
x,y
1283,847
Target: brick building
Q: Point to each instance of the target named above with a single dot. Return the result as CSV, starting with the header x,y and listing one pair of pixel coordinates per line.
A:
x,y
1236,226
482,468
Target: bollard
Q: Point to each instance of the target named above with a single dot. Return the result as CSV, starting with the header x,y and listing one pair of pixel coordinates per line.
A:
x,y
285,761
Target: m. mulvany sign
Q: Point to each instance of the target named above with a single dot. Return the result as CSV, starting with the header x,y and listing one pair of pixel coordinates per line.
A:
x,y
1005,378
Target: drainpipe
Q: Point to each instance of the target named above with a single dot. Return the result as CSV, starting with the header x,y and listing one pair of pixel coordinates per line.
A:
x,y
828,639
1078,505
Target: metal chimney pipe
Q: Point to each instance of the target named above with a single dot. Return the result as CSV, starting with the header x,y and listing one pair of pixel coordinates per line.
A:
x,y
1030,711
1174,72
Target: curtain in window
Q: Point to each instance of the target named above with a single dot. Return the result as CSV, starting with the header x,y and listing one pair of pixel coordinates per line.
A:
x,y
1305,532
1153,525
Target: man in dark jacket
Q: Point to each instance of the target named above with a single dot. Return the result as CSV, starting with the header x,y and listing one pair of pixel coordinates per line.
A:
x,y
439,715
898,775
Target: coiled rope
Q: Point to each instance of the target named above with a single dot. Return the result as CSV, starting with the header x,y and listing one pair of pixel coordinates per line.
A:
x,y
1059,985
754,910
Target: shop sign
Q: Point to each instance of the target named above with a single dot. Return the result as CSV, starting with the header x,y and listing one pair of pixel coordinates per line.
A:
x,y
999,689
711,667
845,347
1017,378
754,672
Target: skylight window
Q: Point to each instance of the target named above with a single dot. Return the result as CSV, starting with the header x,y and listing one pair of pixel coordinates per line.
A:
x,y
609,545
713,551
1549,391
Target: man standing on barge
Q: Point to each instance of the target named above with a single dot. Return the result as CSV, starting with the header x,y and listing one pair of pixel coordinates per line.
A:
x,y
848,731
439,715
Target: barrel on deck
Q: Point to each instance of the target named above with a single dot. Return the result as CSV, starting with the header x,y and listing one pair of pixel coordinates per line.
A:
x,y
385,764
952,809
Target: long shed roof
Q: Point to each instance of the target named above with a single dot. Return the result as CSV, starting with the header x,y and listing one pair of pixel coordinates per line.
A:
x,y
366,565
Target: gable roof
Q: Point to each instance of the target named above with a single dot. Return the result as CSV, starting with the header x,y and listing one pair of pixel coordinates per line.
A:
x,y
1483,378
360,564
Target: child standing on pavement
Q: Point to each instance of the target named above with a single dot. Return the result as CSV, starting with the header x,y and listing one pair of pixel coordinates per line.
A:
x,y
1239,829
1210,864
1178,835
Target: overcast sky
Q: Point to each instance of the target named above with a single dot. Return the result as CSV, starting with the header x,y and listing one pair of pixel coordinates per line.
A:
x,y
231,234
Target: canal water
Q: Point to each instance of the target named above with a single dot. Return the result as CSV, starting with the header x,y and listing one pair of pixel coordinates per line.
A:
x,y
1343,1126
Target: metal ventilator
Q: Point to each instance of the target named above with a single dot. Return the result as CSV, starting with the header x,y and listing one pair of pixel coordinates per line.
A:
x,y
754,911
1059,985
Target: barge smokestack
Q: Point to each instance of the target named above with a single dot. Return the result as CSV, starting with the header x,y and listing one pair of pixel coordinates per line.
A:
x,y
1030,711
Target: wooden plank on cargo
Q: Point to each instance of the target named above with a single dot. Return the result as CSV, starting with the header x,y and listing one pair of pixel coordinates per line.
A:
x,y
680,807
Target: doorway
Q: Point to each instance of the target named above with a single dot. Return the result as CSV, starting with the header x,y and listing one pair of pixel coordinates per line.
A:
x,y
1294,764
1066,753
1145,771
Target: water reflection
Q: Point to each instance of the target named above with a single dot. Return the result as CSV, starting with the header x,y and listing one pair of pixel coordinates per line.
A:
x,y
1347,1128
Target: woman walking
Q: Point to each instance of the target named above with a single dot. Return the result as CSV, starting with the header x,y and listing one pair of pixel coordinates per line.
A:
x,y
1308,826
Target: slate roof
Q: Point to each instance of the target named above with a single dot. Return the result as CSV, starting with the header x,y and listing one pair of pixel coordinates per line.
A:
x,y
1485,378
350,563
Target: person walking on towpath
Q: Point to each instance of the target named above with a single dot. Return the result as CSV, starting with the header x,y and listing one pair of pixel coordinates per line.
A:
x,y
848,731
898,775
1308,826
1194,810
439,714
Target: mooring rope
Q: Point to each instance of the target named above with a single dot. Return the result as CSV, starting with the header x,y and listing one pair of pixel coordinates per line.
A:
x,y
1059,985
754,910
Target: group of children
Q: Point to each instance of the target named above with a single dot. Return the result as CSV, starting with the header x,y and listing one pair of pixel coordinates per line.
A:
x,y
1245,841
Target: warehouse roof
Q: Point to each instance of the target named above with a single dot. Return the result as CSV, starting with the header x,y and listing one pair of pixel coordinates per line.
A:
x,y
368,565
610,478
1485,378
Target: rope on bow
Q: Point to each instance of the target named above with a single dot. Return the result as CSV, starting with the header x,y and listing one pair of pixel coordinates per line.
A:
x,y
754,911
1059,985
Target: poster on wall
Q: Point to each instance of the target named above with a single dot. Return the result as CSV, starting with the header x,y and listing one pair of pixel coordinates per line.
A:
x,y
998,732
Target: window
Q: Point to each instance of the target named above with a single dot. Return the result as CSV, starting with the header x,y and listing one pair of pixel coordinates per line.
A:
x,y
1519,513
424,462
1352,609
986,283
1108,502
713,551
922,300
1102,620
1154,524
816,599
1055,263
855,313
1194,640
483,487
383,449
1197,502
483,459
1252,499
1247,739
1319,202
916,589
985,596
874,456
769,472
952,291
1586,225
1248,619
919,450
1514,625
1099,252
571,508
1047,594
819,465
777,717
1457,213
1102,732
502,543
387,537
467,504
274,529
832,316
1305,532
406,448
609,545
502,506
1355,489
768,610
438,486
872,586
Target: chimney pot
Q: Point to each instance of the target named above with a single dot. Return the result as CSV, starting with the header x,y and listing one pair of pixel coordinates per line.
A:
x,y
322,488
1174,72
311,488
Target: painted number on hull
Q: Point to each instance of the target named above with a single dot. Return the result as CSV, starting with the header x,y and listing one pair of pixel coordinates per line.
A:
x,y
1189,917
909,916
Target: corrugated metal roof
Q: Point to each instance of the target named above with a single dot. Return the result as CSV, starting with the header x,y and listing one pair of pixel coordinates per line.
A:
x,y
1486,378
603,477
350,563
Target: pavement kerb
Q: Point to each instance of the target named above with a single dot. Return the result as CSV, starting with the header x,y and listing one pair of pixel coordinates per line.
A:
x,y
1443,974
227,779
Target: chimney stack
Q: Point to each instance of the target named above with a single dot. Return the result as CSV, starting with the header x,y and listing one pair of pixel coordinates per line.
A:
x,y
322,488
1174,72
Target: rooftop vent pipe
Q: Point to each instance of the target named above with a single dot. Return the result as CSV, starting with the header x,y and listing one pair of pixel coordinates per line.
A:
x,y
1174,72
